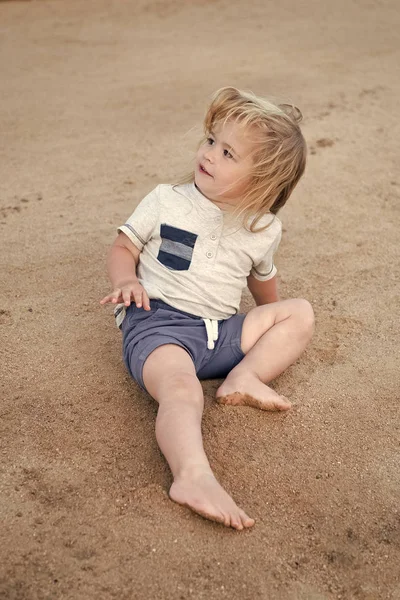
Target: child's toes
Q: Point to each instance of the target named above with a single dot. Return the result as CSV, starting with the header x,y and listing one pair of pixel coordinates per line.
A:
x,y
236,523
246,520
282,403
226,520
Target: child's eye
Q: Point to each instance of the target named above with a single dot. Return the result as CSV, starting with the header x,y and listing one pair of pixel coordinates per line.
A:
x,y
228,154
209,141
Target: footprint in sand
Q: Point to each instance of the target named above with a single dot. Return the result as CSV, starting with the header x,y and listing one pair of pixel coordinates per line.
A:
x,y
17,206
321,143
5,317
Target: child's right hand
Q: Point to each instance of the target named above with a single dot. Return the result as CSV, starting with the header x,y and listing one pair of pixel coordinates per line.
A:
x,y
128,292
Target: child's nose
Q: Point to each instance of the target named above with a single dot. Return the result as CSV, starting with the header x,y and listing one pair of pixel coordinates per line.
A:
x,y
209,154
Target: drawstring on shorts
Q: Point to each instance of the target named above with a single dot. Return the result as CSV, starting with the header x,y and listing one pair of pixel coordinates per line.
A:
x,y
212,332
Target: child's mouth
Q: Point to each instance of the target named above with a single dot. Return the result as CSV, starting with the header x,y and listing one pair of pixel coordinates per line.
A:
x,y
202,170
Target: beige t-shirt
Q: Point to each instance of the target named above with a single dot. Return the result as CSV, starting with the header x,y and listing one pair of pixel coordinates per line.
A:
x,y
194,256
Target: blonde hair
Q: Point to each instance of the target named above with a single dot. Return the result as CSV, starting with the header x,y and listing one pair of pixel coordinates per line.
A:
x,y
279,155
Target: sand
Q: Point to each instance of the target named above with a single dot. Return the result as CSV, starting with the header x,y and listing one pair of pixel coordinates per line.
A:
x,y
98,104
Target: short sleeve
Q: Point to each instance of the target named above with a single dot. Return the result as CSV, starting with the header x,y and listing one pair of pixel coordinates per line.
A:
x,y
266,269
143,220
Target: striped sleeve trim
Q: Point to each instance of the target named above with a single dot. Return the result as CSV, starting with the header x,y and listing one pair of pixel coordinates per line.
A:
x,y
132,234
139,237
264,276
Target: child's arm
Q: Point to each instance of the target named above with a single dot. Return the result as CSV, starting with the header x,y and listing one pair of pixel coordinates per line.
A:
x,y
122,261
263,292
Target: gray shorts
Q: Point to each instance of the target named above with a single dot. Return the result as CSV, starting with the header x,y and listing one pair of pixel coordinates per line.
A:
x,y
144,331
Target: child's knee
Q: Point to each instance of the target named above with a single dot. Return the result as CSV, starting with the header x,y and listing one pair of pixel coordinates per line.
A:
x,y
181,385
181,381
304,313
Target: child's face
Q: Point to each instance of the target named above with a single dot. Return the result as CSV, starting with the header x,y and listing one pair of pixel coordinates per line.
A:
x,y
224,163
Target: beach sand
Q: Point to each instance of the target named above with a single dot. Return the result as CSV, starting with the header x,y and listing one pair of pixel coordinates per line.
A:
x,y
99,100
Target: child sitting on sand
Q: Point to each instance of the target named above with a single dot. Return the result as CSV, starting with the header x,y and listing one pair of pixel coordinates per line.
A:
x,y
178,268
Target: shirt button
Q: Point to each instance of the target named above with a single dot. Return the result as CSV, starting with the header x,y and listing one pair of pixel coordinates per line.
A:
x,y
209,254
213,237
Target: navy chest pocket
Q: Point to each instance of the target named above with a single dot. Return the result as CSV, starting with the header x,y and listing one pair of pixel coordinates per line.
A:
x,y
176,248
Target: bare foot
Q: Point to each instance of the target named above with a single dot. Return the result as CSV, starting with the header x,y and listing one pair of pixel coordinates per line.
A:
x,y
246,389
201,492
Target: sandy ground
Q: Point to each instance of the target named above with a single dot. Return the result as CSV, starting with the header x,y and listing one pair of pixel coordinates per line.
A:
x,y
98,104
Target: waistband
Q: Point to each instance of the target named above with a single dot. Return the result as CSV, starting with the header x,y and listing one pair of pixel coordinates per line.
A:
x,y
210,324
154,304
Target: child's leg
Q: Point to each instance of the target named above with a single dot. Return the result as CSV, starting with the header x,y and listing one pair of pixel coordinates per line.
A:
x,y
273,337
169,376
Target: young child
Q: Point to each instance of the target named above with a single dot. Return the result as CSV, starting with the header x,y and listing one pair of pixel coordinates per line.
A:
x,y
178,268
